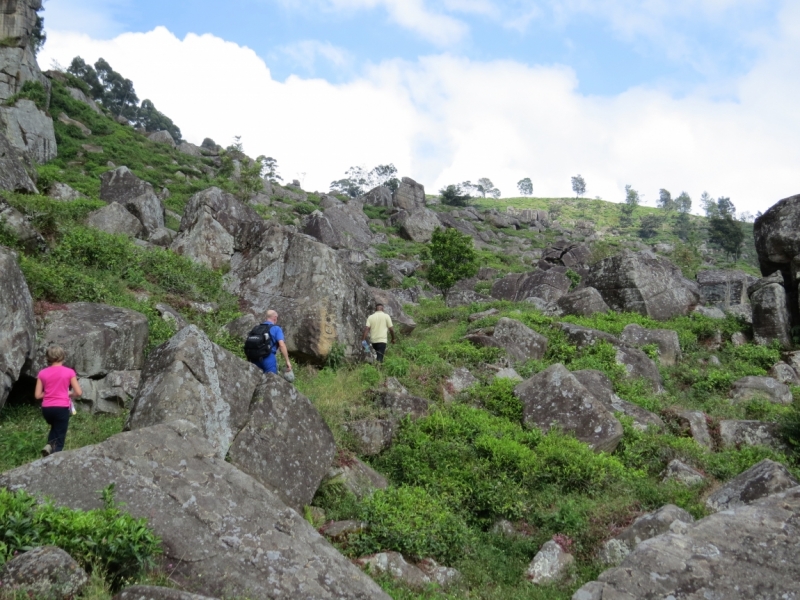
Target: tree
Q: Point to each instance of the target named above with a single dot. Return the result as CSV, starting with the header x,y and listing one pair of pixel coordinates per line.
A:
x,y
269,169
578,186
525,186
665,201
88,75
485,187
358,181
38,35
454,259
119,96
453,195
151,119
650,225
683,203
724,230
632,200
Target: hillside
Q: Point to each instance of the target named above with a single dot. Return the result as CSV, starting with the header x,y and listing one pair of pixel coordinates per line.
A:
x,y
466,446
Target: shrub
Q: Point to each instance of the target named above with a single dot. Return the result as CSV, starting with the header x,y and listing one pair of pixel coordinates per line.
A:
x,y
499,399
378,276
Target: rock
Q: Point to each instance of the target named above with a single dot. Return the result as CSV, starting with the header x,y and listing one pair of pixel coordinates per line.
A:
x,y
43,572
547,285
285,444
771,318
669,347
601,388
682,473
225,533
190,149
403,323
760,480
482,315
735,434
17,55
738,339
556,397
724,289
379,196
712,312
14,166
29,130
61,191
767,388
549,565
784,373
215,225
394,565
444,576
340,226
151,592
110,395
120,185
340,530
97,338
583,303
14,221
666,519
162,137
371,436
507,373
93,149
116,219
776,236
459,381
81,97
456,298
162,237
356,477
743,312
416,224
409,195
324,299
519,341
709,560
239,328
17,322
449,221
172,316
695,421
189,377
67,121
400,404
643,283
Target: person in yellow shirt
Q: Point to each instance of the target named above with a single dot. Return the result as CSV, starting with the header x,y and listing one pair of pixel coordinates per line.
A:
x,y
379,326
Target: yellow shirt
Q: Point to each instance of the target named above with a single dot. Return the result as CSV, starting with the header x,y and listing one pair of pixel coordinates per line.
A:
x,y
379,324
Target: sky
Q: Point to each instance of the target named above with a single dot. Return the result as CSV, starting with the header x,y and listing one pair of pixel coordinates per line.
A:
x,y
687,95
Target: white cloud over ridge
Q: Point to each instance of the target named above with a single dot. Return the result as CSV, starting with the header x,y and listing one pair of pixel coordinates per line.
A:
x,y
443,119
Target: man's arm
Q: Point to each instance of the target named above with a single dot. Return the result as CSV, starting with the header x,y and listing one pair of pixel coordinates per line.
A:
x,y
285,353
391,330
366,333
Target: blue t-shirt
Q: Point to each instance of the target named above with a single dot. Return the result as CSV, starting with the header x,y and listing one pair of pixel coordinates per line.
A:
x,y
269,364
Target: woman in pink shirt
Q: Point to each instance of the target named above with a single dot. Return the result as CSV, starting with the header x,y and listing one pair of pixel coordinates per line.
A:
x,y
53,389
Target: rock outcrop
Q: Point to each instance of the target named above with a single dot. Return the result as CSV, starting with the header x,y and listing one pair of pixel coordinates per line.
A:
x,y
43,572
29,130
225,533
417,224
777,238
547,285
549,565
766,388
340,226
17,322
666,519
136,195
14,169
759,481
601,388
583,303
724,289
771,311
115,218
17,57
669,346
519,341
151,592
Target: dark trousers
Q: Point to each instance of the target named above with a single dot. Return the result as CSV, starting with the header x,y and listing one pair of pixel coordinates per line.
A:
x,y
58,419
380,349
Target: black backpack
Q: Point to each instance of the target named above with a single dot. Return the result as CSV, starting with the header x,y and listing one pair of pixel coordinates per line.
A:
x,y
259,342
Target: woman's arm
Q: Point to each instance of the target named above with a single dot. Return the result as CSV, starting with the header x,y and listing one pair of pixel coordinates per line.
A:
x,y
77,392
38,393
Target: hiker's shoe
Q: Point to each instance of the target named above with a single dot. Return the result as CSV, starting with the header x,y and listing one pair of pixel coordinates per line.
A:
x,y
47,450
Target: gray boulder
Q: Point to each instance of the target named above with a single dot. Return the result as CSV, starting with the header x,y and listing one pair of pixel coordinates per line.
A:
x,y
371,436
740,554
583,303
697,425
29,130
777,236
97,338
138,196
151,592
666,519
225,533
43,572
162,137
81,97
549,565
14,221
417,224
519,341
735,434
644,283
356,477
547,285
340,226
767,388
17,55
285,444
760,480
394,565
379,196
63,192
556,397
601,388
401,404
14,168
189,377
669,346
784,373
110,395
682,473
17,322
115,218
724,289
461,380
190,149
63,118
409,195
771,316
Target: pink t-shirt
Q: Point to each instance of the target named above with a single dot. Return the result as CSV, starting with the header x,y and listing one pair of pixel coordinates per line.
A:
x,y
55,381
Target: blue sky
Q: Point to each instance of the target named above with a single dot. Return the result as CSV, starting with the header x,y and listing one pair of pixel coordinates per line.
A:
x,y
674,93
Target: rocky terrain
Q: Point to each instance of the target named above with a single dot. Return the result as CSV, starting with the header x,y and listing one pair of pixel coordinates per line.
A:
x,y
588,417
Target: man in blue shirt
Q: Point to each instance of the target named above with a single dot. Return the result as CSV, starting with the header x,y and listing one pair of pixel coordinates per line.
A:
x,y
269,364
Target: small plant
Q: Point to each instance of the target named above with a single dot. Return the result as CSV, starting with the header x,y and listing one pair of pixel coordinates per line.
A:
x,y
379,276
336,357
574,278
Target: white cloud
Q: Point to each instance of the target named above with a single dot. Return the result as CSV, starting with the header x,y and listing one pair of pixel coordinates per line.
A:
x,y
444,119
93,17
307,53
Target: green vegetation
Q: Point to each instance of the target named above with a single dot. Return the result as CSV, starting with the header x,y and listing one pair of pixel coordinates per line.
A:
x,y
452,259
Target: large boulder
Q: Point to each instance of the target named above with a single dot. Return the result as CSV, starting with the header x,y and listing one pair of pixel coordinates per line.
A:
x,y
760,480
224,534
110,395
556,397
14,168
549,565
409,195
766,388
151,592
583,303
285,444
97,338
644,283
29,129
735,434
121,185
771,311
669,346
340,226
724,288
115,218
322,299
665,519
189,377
215,225
519,341
17,54
380,196
356,477
21,228
547,285
162,137
601,388
740,554
777,237
43,572
416,224
17,322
